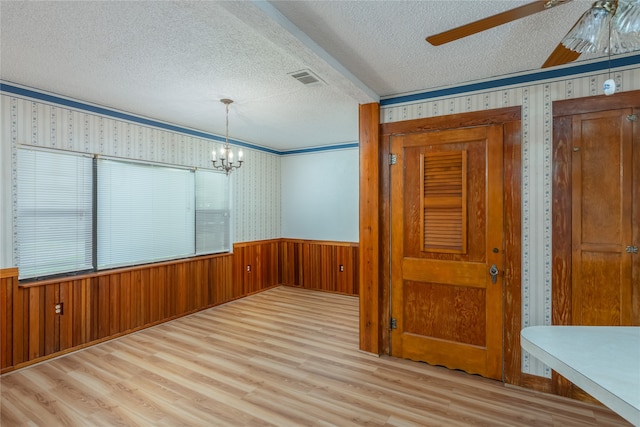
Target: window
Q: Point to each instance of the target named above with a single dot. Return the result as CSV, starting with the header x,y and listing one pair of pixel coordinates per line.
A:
x,y
54,197
143,213
212,212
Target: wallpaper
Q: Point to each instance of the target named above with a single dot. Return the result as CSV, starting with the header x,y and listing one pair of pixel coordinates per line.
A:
x,y
536,101
255,187
255,194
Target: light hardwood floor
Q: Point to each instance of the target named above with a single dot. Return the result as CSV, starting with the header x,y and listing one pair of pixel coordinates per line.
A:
x,y
284,357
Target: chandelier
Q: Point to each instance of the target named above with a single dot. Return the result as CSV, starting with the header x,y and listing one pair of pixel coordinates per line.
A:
x,y
610,26
227,164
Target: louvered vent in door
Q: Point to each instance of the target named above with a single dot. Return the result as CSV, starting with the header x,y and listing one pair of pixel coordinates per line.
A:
x,y
444,206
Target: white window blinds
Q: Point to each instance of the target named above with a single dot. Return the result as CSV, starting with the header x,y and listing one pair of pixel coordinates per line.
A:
x,y
145,213
54,213
212,212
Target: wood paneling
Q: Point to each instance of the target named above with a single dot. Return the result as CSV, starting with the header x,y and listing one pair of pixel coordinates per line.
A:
x,y
561,208
100,306
290,262
635,273
369,259
452,121
513,260
592,104
347,280
8,284
36,317
384,249
256,266
104,305
326,266
76,326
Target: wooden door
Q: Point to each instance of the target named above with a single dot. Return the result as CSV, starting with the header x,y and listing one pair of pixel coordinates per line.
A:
x,y
446,234
602,226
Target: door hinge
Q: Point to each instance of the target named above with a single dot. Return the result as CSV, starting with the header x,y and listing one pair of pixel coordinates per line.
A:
x,y
393,159
393,324
632,117
632,249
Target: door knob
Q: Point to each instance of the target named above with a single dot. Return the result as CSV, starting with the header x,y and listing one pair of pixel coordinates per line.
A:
x,y
493,271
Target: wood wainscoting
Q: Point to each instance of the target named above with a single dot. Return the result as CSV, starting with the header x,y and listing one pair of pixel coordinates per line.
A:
x,y
326,266
293,360
100,306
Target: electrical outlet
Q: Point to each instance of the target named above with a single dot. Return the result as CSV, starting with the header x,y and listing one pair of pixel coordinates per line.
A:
x,y
58,308
249,268
341,268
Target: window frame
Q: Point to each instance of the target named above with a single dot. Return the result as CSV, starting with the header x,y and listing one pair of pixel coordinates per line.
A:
x,y
223,215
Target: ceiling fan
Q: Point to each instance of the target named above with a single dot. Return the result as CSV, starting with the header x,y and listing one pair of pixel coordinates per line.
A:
x,y
592,33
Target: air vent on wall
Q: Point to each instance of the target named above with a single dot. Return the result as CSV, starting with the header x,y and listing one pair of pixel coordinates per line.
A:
x,y
307,78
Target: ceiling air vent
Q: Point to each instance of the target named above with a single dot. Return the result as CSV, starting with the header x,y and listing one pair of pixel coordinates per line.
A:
x,y
307,78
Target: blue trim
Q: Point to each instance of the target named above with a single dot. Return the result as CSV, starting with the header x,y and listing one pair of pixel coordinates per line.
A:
x,y
28,93
472,87
516,80
123,116
323,148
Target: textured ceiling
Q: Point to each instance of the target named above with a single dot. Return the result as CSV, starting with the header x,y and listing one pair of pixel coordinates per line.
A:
x,y
173,61
384,42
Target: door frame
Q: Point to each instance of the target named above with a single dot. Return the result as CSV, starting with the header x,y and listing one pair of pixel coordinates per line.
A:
x,y
561,300
510,119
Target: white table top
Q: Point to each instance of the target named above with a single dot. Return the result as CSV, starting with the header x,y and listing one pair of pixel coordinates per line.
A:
x,y
604,361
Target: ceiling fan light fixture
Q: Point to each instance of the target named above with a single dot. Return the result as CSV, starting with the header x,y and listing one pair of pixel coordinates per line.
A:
x,y
627,23
591,32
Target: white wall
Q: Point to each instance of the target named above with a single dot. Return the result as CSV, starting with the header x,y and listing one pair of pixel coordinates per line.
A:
x,y
319,193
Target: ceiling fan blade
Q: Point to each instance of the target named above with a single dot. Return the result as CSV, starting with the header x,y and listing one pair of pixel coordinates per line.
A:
x,y
489,22
561,55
